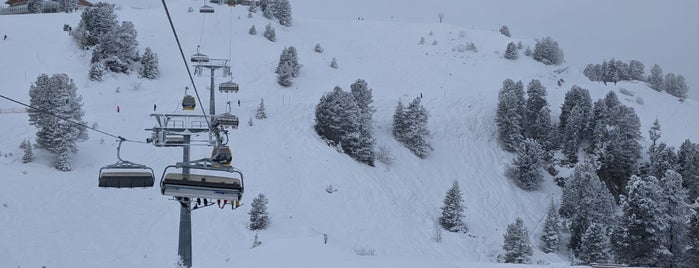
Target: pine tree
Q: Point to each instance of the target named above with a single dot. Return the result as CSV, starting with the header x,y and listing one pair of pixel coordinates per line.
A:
x,y
333,63
259,217
586,200
516,245
548,52
337,121
149,65
594,245
35,6
252,30
692,255
576,96
416,132
655,79
673,200
688,167
536,100
94,22
551,236
284,74
318,48
96,71
453,210
363,96
252,8
270,33
509,116
68,6
260,114
573,133
527,169
400,126
675,85
282,11
294,61
638,240
511,51
267,10
505,31
28,154
57,95
636,70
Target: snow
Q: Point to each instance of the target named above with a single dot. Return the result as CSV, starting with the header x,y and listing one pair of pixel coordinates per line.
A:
x,y
62,219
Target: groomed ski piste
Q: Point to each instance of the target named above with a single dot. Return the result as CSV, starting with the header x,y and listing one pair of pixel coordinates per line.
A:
x,y
62,219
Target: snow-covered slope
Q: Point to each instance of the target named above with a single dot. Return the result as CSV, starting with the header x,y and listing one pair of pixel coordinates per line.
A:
x,y
64,220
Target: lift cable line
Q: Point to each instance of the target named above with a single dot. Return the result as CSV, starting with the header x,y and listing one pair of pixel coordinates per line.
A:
x,y
120,138
184,59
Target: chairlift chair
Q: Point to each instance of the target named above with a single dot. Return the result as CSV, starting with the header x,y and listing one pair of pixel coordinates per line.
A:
x,y
205,180
228,86
226,119
199,57
206,9
125,174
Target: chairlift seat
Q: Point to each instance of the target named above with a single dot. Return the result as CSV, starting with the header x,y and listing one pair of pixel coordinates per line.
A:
x,y
228,86
206,9
226,119
126,179
199,57
201,186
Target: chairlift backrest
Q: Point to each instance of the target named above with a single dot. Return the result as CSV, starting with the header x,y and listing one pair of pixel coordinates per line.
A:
x,y
206,9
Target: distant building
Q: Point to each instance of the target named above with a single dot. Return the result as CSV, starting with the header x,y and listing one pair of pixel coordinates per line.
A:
x,y
49,6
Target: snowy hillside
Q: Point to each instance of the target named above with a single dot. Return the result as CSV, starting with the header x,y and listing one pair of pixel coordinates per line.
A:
x,y
62,219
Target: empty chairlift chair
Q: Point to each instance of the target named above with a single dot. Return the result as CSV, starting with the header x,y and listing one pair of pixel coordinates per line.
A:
x,y
206,9
199,57
205,179
228,87
125,174
225,119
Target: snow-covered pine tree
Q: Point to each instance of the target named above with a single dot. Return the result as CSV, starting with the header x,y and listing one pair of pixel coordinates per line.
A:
x,y
270,33
149,65
592,72
363,96
259,217
284,74
636,70
453,210
638,239
57,95
654,133
35,6
662,159
548,52
692,254
252,7
505,31
688,167
545,132
573,133
250,122
333,63
119,47
282,11
68,6
511,51
96,71
337,121
399,126
509,116
676,86
94,22
576,96
27,148
422,41
594,245
536,100
528,167
260,114
655,79
417,133
551,236
318,48
516,244
586,200
252,30
676,209
294,61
